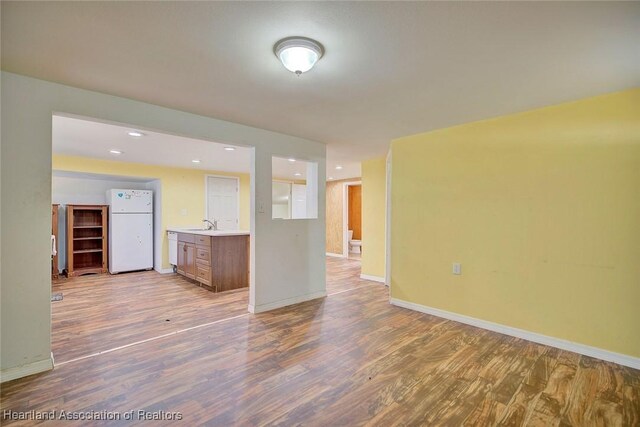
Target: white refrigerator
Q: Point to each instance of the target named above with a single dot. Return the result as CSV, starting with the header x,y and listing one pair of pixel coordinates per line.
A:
x,y
130,230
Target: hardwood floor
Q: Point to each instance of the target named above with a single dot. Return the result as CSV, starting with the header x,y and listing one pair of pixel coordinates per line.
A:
x,y
103,312
348,359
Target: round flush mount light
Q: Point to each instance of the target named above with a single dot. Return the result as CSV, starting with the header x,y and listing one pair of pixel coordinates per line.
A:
x,y
115,152
339,167
135,133
297,174
292,160
298,54
195,161
229,148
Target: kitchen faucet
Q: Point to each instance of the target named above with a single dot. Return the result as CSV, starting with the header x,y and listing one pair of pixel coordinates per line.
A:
x,y
211,225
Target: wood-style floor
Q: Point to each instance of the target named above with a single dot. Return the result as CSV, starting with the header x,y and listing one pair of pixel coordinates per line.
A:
x,y
149,342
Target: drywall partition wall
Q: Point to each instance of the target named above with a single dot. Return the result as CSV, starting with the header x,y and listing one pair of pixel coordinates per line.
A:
x,y
183,203
288,266
84,189
542,211
159,231
27,106
373,218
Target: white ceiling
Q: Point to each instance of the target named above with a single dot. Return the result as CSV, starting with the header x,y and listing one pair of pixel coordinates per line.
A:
x,y
78,137
391,69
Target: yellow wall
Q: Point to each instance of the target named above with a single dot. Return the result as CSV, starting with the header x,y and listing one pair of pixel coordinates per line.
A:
x,y
181,189
373,217
541,208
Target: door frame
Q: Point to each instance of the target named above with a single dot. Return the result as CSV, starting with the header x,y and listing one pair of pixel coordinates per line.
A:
x,y
345,216
387,244
206,195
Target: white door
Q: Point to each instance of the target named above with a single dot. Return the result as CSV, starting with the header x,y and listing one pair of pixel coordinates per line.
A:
x,y
222,202
130,242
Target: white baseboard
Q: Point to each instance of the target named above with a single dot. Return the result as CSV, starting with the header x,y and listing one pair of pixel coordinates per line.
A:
x,y
335,255
285,302
598,353
164,270
373,278
26,370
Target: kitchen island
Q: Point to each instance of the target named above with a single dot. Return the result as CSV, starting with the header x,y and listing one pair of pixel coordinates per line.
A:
x,y
216,260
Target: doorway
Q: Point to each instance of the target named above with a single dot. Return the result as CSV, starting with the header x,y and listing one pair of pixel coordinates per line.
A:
x,y
106,162
352,220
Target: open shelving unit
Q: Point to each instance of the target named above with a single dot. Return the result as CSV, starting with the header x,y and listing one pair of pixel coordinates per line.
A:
x,y
86,239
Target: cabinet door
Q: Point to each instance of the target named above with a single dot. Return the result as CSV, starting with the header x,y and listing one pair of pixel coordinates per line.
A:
x,y
182,258
190,262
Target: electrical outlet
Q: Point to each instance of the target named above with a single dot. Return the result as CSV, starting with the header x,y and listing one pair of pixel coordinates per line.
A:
x,y
457,268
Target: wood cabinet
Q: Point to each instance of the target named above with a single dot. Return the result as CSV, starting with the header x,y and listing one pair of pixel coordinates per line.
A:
x,y
220,263
186,260
86,239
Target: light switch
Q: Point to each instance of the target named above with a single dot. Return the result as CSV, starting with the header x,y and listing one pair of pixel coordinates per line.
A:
x,y
260,207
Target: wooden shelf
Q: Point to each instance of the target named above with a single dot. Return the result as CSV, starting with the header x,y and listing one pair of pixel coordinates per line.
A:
x,y
86,245
88,269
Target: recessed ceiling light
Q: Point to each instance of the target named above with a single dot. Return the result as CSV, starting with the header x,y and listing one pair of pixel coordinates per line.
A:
x,y
339,167
298,54
195,161
297,174
330,178
230,148
116,152
292,160
135,133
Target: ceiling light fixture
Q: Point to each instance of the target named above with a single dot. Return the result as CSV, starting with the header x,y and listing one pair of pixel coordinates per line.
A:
x,y
297,174
298,54
195,161
330,178
116,152
292,160
230,148
339,167
135,133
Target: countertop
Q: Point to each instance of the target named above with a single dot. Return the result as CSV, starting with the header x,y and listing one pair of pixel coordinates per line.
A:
x,y
194,230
